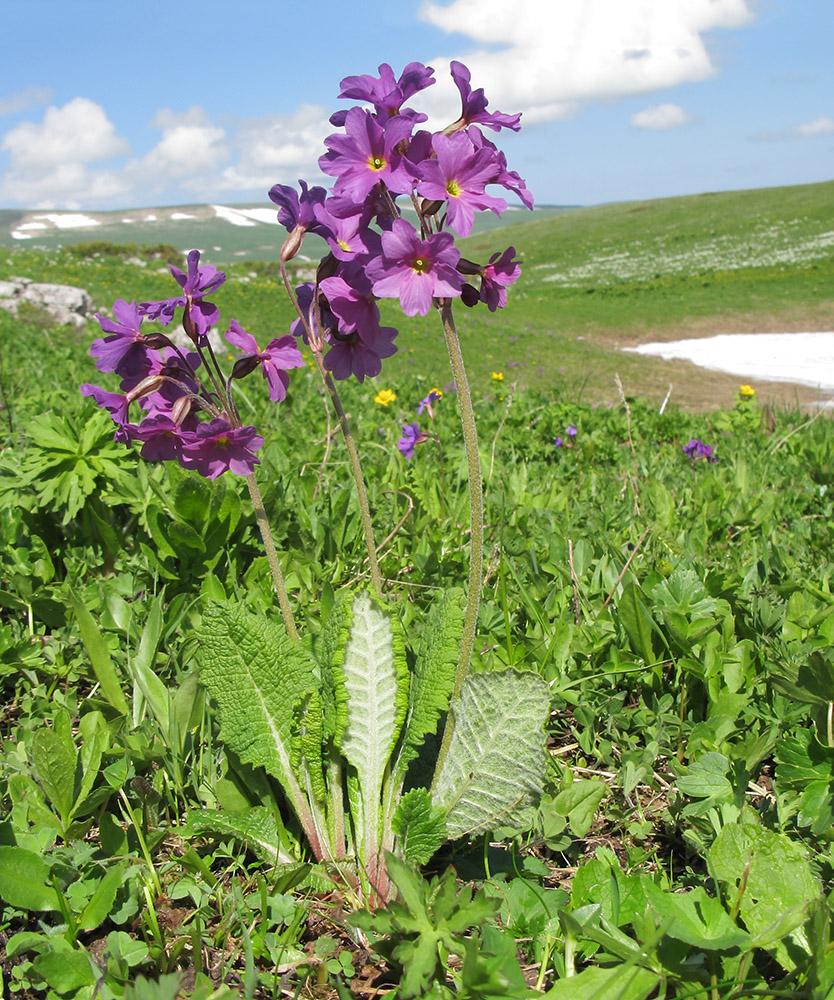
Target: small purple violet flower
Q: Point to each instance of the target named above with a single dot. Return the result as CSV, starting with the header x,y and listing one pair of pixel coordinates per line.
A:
x,y
411,437
571,431
696,449
426,404
558,443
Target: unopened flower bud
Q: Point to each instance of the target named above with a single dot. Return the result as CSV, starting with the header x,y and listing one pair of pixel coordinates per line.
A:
x,y
327,268
428,208
145,387
181,409
244,366
190,326
156,341
292,244
465,266
470,296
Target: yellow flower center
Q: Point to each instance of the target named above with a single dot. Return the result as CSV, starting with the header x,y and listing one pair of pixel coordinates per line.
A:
x,y
421,265
377,163
453,189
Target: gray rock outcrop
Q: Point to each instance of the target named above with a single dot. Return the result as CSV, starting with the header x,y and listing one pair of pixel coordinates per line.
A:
x,y
66,304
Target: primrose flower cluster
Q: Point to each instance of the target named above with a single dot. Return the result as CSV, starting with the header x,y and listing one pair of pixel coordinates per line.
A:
x,y
163,381
374,253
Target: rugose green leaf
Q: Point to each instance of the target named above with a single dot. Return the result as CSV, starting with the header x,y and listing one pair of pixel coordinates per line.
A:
x,y
339,734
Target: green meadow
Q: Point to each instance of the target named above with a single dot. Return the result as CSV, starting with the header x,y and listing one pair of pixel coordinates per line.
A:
x,y
595,279
663,575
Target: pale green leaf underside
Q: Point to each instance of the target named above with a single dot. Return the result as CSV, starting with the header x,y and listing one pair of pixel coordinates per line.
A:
x,y
375,701
258,676
495,765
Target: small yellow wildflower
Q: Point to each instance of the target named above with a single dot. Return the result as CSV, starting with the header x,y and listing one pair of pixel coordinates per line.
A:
x,y
497,376
747,390
385,396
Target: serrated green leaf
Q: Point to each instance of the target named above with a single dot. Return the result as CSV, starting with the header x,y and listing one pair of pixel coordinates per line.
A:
x,y
433,677
24,880
706,778
256,828
331,656
375,678
495,764
310,745
56,765
258,676
684,594
420,826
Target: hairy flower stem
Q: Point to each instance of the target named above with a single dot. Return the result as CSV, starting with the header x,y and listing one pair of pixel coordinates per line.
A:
x,y
476,516
272,557
356,467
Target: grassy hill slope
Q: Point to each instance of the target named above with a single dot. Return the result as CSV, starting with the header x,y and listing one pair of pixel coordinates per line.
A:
x,y
594,280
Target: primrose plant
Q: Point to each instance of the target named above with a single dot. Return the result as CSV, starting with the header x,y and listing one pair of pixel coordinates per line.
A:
x,y
339,722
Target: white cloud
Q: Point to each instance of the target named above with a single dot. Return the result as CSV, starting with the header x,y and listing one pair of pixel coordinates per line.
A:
x,y
819,126
23,100
548,58
48,160
79,132
190,147
660,117
278,149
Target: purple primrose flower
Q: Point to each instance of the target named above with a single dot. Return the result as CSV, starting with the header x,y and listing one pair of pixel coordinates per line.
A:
x,y
367,154
386,93
458,176
216,446
474,103
124,350
196,283
415,270
278,356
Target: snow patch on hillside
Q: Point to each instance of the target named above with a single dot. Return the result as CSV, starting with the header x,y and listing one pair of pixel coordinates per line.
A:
x,y
804,358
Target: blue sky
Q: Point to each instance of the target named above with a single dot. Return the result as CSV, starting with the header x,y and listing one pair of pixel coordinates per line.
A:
x,y
106,105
